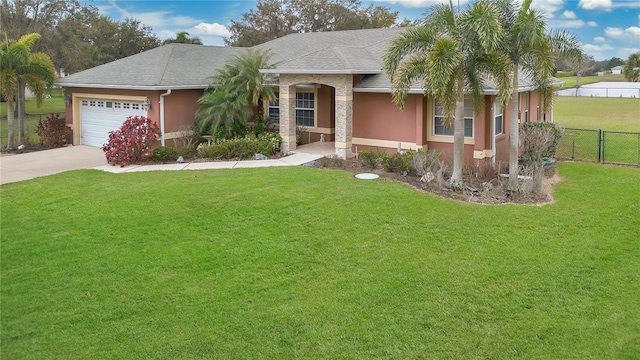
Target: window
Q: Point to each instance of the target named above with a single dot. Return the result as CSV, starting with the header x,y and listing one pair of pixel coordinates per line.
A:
x,y
100,103
126,106
109,104
117,105
498,117
85,102
439,127
305,109
274,107
135,106
92,103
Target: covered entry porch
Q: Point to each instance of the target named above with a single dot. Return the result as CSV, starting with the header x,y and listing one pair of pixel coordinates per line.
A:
x,y
333,110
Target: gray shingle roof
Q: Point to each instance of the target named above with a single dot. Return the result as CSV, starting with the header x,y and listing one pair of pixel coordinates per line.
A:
x,y
170,66
183,66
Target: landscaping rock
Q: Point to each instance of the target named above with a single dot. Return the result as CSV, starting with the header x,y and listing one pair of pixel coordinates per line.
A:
x,y
180,160
261,157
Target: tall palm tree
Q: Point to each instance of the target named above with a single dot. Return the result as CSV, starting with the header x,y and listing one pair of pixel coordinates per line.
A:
x,y
450,54
22,69
237,88
183,38
630,69
532,51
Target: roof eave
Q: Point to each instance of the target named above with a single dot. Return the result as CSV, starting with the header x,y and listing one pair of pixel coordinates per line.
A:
x,y
134,87
315,72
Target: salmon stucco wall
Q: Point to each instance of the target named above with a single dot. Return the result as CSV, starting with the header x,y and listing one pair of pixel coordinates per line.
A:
x,y
375,116
180,108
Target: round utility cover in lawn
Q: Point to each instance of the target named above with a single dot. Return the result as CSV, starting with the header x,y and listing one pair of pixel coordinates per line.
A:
x,y
367,176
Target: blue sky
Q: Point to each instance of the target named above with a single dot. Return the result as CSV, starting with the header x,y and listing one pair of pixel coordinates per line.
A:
x,y
606,28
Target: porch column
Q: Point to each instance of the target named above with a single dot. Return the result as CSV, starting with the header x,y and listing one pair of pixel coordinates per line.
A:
x,y
344,116
287,115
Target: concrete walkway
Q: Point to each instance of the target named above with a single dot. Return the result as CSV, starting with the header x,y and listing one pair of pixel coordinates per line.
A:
x,y
291,160
14,168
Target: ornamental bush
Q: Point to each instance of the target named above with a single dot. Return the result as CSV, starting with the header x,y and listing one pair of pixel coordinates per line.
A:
x,y
133,142
243,147
53,131
398,162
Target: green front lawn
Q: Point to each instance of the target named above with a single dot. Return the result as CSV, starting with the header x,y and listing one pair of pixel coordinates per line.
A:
x,y
290,263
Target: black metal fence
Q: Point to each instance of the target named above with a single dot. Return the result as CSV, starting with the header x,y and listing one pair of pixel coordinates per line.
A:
x,y
603,146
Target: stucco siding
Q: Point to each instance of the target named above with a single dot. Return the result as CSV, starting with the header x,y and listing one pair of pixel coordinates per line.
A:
x,y
375,116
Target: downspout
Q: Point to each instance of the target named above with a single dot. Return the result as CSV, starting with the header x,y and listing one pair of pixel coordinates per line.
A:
x,y
493,131
162,115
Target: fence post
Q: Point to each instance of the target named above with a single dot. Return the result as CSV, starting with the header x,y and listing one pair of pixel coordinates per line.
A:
x,y
573,150
599,144
603,146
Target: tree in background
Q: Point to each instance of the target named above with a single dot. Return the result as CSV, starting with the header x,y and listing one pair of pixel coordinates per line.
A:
x,y
448,55
631,69
613,62
531,50
183,38
236,89
272,19
23,69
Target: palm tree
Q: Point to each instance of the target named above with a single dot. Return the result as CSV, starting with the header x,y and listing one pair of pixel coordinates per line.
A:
x,y
531,51
183,38
237,88
22,69
631,67
450,54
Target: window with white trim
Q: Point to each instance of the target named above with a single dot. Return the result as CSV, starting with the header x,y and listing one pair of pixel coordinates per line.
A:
x,y
273,112
439,127
305,109
498,118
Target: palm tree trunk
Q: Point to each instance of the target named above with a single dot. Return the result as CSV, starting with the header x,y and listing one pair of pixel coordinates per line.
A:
x,y
514,133
458,135
21,110
9,124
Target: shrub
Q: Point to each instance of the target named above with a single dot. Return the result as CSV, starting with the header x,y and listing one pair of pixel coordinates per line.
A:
x,y
243,148
53,131
424,162
539,140
132,142
166,153
368,159
398,162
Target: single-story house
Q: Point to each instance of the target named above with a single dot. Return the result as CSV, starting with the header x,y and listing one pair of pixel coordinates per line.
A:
x,y
617,69
330,85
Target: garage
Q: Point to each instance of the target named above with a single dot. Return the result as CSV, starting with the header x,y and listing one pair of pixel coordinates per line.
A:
x,y
100,116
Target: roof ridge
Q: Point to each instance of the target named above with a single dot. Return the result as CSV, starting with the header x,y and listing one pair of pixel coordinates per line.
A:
x,y
340,56
165,64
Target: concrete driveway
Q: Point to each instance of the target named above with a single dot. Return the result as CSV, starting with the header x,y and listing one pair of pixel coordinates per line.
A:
x,y
27,166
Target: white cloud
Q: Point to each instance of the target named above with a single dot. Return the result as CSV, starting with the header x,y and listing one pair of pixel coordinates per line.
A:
x,y
154,19
547,7
599,52
420,3
599,39
605,5
575,24
624,53
631,33
568,14
207,29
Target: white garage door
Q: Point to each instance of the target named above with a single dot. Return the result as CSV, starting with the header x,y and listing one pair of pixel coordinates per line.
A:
x,y
100,116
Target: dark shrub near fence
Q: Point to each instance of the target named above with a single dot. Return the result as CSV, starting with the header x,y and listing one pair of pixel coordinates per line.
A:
x,y
602,146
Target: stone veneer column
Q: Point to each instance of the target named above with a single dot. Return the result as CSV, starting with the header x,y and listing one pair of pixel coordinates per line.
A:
x,y
287,98
343,85
344,116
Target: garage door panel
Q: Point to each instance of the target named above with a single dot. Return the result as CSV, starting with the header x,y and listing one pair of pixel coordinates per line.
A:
x,y
98,117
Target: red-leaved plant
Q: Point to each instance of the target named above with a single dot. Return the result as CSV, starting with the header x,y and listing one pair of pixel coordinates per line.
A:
x,y
133,142
53,131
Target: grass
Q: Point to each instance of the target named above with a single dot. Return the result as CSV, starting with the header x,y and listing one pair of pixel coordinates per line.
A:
x,y
611,114
570,81
55,104
307,263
